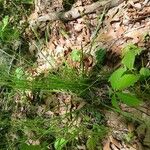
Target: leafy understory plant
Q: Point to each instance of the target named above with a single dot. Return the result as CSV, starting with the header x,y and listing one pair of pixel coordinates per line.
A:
x,y
60,143
7,32
125,77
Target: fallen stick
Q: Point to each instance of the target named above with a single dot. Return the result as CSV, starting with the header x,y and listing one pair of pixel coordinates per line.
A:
x,y
78,12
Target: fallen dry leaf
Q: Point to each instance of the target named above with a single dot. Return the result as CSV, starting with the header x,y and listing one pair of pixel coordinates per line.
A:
x,y
115,142
107,145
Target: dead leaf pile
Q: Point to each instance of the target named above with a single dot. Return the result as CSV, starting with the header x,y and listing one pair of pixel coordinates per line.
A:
x,y
127,23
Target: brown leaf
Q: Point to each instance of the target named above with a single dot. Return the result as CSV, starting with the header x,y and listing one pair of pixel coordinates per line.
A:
x,y
120,31
113,147
107,145
81,105
115,142
131,127
78,27
33,16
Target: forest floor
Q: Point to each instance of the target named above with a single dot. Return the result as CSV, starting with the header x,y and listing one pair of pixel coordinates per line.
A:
x,y
68,49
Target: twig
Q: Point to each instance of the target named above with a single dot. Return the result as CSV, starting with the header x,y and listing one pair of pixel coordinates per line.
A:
x,y
78,12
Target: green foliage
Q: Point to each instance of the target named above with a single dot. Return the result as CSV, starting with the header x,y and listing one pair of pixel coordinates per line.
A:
x,y
114,101
23,107
60,143
67,80
91,143
97,134
127,80
123,78
23,123
76,55
128,99
145,72
129,54
129,137
19,73
100,55
129,59
116,76
7,32
131,47
124,81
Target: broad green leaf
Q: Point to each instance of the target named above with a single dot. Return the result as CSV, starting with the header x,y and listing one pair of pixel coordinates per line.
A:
x,y
128,99
126,80
129,59
91,143
76,55
114,102
145,72
60,143
115,77
133,48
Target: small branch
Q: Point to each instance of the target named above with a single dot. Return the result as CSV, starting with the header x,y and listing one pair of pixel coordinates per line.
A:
x,y
78,12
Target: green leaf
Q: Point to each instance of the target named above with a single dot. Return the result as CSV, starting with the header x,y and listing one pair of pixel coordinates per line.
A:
x,y
129,59
133,48
128,99
129,136
115,77
7,32
145,72
5,22
114,102
100,55
76,55
91,143
127,80
60,143
19,73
